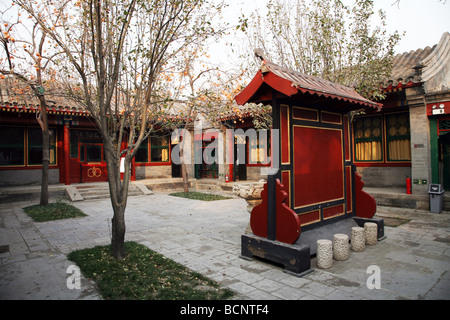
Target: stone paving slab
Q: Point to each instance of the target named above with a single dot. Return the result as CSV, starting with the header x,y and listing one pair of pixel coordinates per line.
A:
x,y
414,259
33,269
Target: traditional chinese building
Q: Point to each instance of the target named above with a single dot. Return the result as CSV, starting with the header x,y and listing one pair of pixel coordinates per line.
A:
x,y
409,138
76,148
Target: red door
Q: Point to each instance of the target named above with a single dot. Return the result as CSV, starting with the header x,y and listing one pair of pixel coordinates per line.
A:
x,y
93,166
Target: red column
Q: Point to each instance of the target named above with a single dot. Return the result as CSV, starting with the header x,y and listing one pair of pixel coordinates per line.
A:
x,y
66,155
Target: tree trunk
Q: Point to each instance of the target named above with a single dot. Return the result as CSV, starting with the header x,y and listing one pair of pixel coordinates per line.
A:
x,y
118,224
45,151
45,166
118,233
119,192
184,173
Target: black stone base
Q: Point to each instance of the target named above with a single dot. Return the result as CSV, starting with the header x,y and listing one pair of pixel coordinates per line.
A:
x,y
310,237
295,258
378,221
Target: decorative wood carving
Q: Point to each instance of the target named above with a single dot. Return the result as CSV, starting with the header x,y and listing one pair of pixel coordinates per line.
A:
x,y
287,221
365,205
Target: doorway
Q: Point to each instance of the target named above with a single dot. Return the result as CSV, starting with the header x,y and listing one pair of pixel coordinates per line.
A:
x,y
206,164
240,159
444,160
176,168
93,166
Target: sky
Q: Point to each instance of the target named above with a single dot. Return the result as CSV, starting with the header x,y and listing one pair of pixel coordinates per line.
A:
x,y
424,21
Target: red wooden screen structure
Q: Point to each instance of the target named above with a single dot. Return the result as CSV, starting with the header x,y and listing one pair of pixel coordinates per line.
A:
x,y
315,191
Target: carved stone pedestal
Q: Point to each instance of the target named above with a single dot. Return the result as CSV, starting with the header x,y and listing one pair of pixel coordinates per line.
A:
x,y
324,254
340,247
358,242
370,229
251,192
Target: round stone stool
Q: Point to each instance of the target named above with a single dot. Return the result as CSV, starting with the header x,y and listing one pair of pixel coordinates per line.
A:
x,y
371,232
324,254
358,239
340,247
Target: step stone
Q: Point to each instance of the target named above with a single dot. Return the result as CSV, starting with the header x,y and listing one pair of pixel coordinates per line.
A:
x,y
92,192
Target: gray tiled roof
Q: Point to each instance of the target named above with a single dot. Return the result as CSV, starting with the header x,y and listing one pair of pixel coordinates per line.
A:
x,y
403,69
427,66
316,85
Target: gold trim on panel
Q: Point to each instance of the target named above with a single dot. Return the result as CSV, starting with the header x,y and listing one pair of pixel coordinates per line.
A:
x,y
333,113
342,162
311,222
288,135
351,190
337,215
316,111
288,185
350,145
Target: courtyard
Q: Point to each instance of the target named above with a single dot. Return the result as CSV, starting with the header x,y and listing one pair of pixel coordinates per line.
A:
x,y
205,236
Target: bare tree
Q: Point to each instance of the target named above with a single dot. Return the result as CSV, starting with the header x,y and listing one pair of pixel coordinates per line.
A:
x,y
30,70
326,39
207,92
115,53
397,2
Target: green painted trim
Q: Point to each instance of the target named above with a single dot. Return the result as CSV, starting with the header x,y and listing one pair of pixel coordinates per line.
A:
x,y
434,150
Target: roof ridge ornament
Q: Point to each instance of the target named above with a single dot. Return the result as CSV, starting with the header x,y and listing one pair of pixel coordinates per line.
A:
x,y
259,53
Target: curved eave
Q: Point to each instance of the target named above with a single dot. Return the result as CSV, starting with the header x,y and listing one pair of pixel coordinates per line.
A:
x,y
360,103
250,90
50,110
290,88
235,116
400,86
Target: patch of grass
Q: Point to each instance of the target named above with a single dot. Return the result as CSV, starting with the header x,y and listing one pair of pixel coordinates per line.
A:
x,y
53,211
199,196
144,275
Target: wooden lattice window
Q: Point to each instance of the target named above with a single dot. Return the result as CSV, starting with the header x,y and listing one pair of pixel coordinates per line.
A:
x,y
142,152
159,149
369,139
12,146
398,138
35,146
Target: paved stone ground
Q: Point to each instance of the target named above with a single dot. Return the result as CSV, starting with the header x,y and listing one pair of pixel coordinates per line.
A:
x,y
414,259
